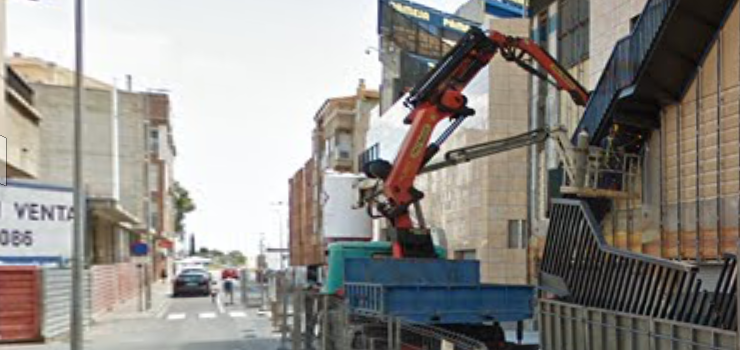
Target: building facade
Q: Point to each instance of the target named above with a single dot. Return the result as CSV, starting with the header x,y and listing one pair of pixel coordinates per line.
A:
x,y
684,204
338,140
19,120
127,154
21,128
161,155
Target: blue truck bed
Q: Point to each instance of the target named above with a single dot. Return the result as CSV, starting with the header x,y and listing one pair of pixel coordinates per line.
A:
x,y
442,292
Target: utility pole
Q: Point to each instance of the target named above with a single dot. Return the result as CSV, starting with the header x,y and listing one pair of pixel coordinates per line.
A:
x,y
78,243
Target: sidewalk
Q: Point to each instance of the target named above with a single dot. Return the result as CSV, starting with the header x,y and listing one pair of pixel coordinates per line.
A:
x,y
126,311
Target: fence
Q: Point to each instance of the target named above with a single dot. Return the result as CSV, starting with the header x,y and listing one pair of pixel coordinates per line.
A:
x,y
57,298
20,312
113,284
572,327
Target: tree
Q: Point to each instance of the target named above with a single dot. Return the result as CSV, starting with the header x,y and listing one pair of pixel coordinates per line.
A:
x,y
236,258
183,205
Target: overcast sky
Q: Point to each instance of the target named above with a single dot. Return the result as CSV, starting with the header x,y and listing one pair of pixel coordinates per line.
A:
x,y
246,77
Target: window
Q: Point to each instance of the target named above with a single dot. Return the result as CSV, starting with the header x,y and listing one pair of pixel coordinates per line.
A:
x,y
468,254
573,34
154,141
343,142
517,234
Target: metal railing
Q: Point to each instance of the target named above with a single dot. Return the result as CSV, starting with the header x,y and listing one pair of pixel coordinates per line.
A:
x,y
624,65
394,333
589,272
369,155
17,84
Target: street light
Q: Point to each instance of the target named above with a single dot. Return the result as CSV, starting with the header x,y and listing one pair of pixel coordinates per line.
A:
x,y
281,242
78,245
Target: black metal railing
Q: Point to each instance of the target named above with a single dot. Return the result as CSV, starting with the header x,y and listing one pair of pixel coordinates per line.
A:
x,y
370,154
17,84
624,65
598,275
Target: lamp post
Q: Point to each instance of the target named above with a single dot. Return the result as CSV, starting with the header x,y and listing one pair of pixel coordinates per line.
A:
x,y
78,243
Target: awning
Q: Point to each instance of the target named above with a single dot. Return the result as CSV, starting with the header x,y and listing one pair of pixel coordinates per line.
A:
x,y
110,210
165,243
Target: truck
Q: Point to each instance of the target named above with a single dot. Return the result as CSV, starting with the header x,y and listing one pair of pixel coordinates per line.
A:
x,y
402,292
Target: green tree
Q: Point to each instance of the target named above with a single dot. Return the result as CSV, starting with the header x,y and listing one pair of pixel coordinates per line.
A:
x,y
236,258
184,205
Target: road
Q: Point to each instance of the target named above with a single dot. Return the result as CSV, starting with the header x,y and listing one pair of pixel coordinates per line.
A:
x,y
188,323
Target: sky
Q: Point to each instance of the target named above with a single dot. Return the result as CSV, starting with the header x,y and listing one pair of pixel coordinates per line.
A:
x,y
246,78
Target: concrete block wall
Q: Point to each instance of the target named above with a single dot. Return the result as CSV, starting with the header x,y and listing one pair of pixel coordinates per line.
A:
x,y
691,209
133,110
610,21
57,132
23,136
55,103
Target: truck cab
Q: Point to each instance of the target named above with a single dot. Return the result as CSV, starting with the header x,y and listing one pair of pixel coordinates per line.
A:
x,y
338,253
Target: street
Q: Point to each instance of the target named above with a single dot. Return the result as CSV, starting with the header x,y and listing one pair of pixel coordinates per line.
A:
x,y
184,323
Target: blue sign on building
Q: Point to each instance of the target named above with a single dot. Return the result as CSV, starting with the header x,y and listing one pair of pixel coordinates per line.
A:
x,y
139,249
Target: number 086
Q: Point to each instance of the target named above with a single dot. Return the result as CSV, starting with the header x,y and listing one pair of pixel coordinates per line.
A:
x,y
16,238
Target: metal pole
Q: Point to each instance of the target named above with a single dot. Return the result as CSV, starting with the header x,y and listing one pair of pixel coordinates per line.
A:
x,y
298,300
244,275
78,243
737,304
284,297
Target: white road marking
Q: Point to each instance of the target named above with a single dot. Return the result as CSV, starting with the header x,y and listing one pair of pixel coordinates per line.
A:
x,y
238,314
207,315
220,303
175,317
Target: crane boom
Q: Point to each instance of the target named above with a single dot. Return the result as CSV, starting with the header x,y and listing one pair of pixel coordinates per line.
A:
x,y
469,153
439,97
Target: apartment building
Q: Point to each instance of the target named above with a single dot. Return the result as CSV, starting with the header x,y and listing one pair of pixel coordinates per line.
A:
x,y
115,155
341,124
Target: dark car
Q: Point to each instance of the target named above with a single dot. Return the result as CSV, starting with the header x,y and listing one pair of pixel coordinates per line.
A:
x,y
192,284
191,271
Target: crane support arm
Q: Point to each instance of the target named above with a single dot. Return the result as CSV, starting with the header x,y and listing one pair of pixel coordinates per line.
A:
x,y
439,97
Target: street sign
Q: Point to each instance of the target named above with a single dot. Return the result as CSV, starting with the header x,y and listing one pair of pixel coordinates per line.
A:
x,y
35,222
140,249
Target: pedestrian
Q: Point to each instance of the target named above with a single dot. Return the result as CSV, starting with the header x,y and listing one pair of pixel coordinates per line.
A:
x,y
214,291
229,283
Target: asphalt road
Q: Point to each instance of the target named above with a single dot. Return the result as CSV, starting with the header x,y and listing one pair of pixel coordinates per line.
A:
x,y
190,324
187,323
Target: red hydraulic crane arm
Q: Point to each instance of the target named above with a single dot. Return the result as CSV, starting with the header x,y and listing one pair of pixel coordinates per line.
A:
x,y
514,49
439,97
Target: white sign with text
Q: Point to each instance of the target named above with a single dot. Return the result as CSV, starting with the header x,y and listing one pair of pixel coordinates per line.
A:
x,y
35,221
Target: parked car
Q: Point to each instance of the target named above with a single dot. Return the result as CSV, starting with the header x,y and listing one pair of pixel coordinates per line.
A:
x,y
195,283
197,271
